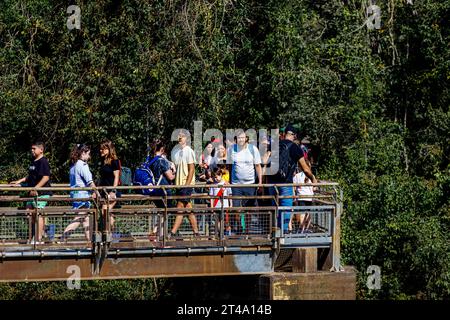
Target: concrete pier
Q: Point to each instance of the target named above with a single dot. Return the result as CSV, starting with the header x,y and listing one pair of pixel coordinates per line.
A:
x,y
318,285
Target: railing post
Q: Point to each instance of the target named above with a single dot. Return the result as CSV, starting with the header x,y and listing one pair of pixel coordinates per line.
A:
x,y
336,240
165,219
106,220
98,231
162,225
277,204
222,217
36,220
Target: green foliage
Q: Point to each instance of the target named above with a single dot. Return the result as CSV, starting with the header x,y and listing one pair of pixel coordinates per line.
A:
x,y
375,101
140,289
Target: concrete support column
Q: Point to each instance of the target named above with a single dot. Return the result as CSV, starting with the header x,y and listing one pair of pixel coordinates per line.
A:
x,y
304,260
320,285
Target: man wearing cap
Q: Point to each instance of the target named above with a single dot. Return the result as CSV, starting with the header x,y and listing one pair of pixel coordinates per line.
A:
x,y
290,154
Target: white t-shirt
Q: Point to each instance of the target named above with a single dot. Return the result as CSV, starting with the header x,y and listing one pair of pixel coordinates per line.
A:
x,y
303,190
182,157
80,177
207,160
226,193
243,163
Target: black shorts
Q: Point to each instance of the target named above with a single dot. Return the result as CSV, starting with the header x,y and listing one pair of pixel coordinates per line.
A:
x,y
185,192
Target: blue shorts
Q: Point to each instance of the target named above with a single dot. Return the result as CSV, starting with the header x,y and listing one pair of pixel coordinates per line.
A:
x,y
81,205
244,191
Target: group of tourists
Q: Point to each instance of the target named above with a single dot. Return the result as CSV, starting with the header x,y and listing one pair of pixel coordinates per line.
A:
x,y
80,176
223,165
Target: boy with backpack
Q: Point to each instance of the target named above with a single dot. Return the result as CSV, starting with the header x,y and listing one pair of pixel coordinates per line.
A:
x,y
156,170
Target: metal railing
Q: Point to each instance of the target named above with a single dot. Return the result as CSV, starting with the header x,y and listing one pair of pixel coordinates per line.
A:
x,y
137,221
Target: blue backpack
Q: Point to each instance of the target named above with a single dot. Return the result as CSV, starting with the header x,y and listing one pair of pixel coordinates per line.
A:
x,y
143,176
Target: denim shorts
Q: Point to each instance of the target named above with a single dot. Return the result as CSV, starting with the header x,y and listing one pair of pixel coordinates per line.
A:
x,y
81,205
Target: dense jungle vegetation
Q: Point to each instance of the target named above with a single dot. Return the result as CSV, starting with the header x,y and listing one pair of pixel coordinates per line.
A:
x,y
376,102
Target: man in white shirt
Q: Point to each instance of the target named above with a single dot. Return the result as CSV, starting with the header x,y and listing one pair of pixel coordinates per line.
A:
x,y
184,158
245,160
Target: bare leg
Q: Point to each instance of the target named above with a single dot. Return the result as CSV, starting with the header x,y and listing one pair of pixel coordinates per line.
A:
x,y
178,219
290,222
31,225
305,221
86,227
40,227
308,220
73,225
111,218
104,210
192,219
296,221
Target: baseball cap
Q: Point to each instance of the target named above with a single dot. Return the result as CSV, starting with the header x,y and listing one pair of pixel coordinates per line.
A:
x,y
290,128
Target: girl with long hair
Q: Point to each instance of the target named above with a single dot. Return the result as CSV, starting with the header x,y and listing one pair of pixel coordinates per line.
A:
x,y
80,177
109,175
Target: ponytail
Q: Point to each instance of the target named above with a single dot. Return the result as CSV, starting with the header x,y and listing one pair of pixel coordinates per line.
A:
x,y
76,152
156,146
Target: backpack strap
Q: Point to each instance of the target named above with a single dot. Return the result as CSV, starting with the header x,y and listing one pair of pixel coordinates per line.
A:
x,y
149,163
252,151
250,147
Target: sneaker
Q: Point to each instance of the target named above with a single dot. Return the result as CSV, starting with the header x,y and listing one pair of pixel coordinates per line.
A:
x,y
171,235
62,239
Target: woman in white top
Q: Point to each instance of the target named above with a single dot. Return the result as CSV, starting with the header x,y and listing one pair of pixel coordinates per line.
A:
x,y
207,159
220,157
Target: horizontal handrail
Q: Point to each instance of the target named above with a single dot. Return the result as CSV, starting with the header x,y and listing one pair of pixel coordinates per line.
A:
x,y
137,219
9,187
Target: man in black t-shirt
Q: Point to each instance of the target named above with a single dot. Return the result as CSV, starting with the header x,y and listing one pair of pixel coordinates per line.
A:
x,y
290,154
38,176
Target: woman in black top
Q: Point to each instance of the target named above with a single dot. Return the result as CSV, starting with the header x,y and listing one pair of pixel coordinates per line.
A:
x,y
109,174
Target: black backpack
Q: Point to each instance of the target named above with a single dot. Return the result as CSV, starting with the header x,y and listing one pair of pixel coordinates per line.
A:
x,y
286,165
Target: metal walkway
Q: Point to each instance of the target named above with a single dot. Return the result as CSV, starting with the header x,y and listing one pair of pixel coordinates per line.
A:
x,y
131,240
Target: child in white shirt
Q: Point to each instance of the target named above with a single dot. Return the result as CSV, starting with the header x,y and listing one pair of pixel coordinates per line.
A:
x,y
220,191
304,219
